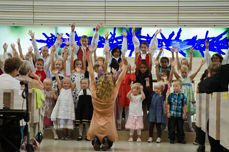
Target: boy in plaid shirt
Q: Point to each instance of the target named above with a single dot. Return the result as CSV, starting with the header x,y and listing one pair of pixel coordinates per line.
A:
x,y
176,112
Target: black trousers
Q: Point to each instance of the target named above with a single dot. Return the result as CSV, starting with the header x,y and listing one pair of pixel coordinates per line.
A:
x,y
200,136
151,127
172,125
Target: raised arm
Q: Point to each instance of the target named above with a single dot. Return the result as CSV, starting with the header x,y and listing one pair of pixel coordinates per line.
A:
x,y
158,56
171,72
190,62
172,52
175,73
65,58
154,43
150,59
137,53
34,43
90,68
20,49
177,59
95,38
135,39
15,54
142,93
157,70
122,74
72,38
195,73
128,94
84,60
30,52
226,57
53,48
207,56
5,46
124,43
58,80
72,58
107,52
57,44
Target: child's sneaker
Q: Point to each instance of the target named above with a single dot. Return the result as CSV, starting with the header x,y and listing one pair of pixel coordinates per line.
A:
x,y
150,140
130,139
158,140
79,138
56,137
139,139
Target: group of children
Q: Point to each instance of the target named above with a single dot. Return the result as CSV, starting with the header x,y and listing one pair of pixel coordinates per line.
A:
x,y
66,85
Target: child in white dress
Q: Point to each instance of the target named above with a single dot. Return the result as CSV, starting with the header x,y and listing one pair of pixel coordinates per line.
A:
x,y
135,117
63,113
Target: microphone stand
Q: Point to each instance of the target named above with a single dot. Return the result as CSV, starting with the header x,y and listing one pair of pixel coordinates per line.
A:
x,y
25,95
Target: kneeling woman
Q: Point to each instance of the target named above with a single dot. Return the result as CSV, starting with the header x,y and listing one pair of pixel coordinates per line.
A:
x,y
102,131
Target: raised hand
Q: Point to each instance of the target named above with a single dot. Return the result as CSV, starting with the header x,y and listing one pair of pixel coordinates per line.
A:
x,y
30,50
156,62
176,49
98,26
150,51
206,44
5,46
157,32
125,62
137,51
59,36
133,31
161,50
31,34
66,42
72,48
53,49
107,49
191,51
73,25
13,46
18,41
124,34
203,62
173,50
107,35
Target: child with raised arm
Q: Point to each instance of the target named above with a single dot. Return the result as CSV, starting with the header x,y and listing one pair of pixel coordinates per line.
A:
x,y
142,55
115,57
135,117
184,61
57,65
84,41
164,61
176,113
63,113
188,90
215,57
84,109
78,72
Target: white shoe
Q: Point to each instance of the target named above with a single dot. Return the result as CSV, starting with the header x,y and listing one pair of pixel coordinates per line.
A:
x,y
150,140
139,139
158,140
130,139
56,137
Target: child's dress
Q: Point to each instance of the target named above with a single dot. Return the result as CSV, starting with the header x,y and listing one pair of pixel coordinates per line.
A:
x,y
189,94
84,109
135,117
63,113
156,110
49,105
54,81
123,101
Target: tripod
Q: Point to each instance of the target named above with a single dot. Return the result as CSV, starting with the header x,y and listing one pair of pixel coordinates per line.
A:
x,y
25,95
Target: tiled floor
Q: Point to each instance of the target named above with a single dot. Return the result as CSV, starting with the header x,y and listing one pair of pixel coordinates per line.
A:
x,y
122,146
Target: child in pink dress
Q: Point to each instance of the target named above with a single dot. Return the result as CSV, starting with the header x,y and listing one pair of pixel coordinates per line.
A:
x,y
135,118
50,101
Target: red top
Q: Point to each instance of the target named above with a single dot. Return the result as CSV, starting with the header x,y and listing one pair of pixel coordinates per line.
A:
x,y
80,53
139,60
123,101
41,74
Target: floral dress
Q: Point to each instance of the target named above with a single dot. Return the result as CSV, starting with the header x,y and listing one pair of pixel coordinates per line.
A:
x,y
78,77
189,94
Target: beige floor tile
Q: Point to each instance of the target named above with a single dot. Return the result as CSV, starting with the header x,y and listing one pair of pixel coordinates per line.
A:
x,y
122,146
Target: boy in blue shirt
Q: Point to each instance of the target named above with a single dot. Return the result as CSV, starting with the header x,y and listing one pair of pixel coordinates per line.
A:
x,y
176,112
